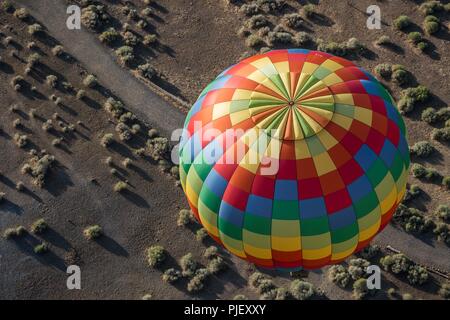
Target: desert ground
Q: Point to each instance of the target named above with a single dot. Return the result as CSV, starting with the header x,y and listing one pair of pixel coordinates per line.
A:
x,y
107,118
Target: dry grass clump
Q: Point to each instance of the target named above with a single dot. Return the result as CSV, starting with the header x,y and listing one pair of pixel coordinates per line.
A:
x,y
422,149
120,187
11,233
38,168
115,107
93,232
185,217
35,29
21,140
411,96
158,148
171,275
188,265
39,226
201,234
125,54
155,255
197,282
107,140
90,81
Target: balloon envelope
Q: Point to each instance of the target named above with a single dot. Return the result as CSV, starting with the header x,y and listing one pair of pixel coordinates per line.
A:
x,y
294,159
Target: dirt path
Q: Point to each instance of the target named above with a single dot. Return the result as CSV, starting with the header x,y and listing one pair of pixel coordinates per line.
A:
x,y
86,48
151,108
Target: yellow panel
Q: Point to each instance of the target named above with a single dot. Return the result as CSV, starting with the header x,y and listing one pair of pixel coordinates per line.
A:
x,y
364,115
258,252
341,120
312,123
322,99
257,76
314,88
232,245
251,161
309,68
323,163
211,229
286,78
344,98
282,67
328,141
262,63
301,150
221,109
389,201
331,65
238,117
242,94
263,96
301,82
366,234
315,254
331,79
286,243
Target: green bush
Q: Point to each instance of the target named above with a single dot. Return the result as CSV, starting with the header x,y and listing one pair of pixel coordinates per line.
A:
x,y
254,41
93,232
185,217
446,182
384,70
360,289
414,37
422,149
430,7
402,22
279,38
442,134
16,232
109,36
201,234
444,291
125,54
442,231
411,96
431,25
396,263
257,22
383,40
301,290
171,275
197,282
188,265
429,115
294,20
107,139
156,255
39,226
215,265
90,81
357,268
400,75
443,212
339,275
417,275
41,248
370,252
309,10
412,192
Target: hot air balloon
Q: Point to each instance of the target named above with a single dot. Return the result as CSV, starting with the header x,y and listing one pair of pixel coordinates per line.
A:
x,y
317,170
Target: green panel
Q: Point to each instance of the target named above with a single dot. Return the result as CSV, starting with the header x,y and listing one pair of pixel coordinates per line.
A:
x,y
256,240
285,210
376,172
396,168
314,226
321,72
230,229
345,109
366,204
257,224
344,234
210,199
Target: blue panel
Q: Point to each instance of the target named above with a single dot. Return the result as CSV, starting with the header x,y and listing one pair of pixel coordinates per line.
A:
x,y
286,190
259,206
216,183
359,188
365,157
231,214
388,153
342,218
312,208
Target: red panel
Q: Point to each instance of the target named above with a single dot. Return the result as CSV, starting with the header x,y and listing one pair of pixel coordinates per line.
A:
x,y
338,200
309,188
